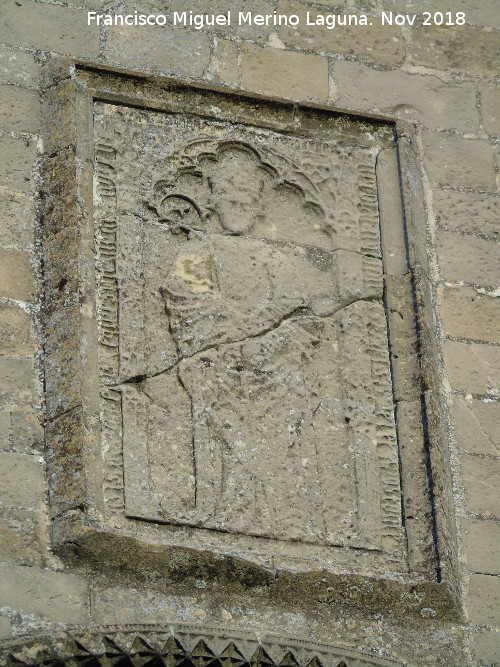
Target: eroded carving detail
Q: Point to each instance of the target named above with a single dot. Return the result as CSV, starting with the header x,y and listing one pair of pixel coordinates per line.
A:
x,y
251,372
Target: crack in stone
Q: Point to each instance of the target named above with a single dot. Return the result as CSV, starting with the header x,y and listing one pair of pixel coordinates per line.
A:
x,y
193,439
277,243
303,311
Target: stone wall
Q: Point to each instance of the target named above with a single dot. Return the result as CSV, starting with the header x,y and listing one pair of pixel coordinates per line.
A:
x,y
439,83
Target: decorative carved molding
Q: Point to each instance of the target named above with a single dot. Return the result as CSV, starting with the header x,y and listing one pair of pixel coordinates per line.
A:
x,y
180,646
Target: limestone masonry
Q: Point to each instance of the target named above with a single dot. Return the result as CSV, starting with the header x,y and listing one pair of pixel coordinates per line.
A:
x,y
249,333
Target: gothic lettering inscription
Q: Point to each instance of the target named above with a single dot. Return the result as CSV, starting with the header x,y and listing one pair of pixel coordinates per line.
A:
x,y
243,342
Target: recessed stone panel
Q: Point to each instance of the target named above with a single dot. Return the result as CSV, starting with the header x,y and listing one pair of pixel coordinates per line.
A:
x,y
237,333
243,343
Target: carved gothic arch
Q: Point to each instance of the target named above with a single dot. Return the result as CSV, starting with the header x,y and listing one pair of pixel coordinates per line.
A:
x,y
188,189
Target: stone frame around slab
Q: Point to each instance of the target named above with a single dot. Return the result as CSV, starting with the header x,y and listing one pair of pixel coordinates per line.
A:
x,y
70,351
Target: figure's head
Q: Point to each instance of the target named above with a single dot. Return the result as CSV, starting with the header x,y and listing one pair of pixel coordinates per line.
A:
x,y
237,179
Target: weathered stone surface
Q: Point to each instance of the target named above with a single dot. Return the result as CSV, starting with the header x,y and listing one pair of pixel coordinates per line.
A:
x,y
54,596
5,430
16,330
17,157
477,12
468,259
63,377
159,49
479,314
245,314
481,479
18,67
39,26
490,105
421,640
485,646
410,97
414,486
19,109
57,207
477,425
18,387
23,534
405,367
17,220
224,66
27,432
243,30
444,47
485,534
484,599
23,487
128,605
454,160
65,468
296,76
16,275
375,43
21,431
59,104
5,628
473,368
467,212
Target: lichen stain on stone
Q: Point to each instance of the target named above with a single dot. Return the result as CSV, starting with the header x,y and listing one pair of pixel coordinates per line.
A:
x,y
198,271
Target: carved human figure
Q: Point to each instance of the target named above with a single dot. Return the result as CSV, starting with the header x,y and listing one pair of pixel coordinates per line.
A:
x,y
253,399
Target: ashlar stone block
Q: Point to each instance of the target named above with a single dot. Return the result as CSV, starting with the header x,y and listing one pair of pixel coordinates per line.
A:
x,y
378,43
287,74
479,314
56,596
456,47
19,109
412,97
18,67
481,477
473,368
484,593
467,212
32,25
445,164
490,102
468,258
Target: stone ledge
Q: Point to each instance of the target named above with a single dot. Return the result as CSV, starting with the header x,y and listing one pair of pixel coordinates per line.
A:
x,y
90,548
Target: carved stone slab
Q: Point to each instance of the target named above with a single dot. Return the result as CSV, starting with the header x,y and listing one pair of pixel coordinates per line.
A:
x,y
231,351
243,357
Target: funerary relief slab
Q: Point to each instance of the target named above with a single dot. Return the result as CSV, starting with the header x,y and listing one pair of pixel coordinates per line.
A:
x,y
243,347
